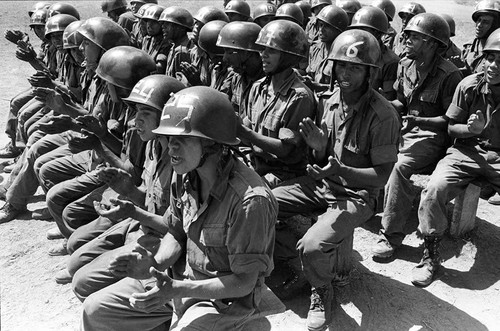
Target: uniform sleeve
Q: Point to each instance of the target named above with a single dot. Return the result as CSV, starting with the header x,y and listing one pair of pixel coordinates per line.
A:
x,y
250,237
459,109
385,140
449,87
300,106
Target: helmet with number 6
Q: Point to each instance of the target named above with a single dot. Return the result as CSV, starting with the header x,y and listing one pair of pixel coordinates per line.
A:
x,y
104,32
124,66
154,91
202,112
63,8
356,46
285,36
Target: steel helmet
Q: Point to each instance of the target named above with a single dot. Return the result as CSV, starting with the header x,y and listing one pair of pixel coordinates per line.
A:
x,y
285,36
240,35
316,3
104,32
210,13
58,23
38,6
431,25
451,23
209,34
264,9
238,7
110,5
305,7
290,11
334,16
153,12
412,9
155,2
202,112
491,7
370,17
493,42
71,38
39,17
387,6
154,91
63,8
179,16
143,9
350,6
124,66
356,46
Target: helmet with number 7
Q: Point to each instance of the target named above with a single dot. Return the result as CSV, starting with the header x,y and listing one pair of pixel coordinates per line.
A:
x,y
154,91
285,36
356,46
202,112
124,66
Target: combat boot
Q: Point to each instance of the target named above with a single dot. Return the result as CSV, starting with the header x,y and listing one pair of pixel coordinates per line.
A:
x,y
320,310
424,272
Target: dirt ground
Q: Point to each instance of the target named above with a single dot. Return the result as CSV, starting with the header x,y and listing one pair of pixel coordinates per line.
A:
x,y
379,297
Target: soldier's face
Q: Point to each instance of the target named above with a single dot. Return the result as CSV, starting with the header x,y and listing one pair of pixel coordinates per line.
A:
x,y
492,68
416,45
327,33
135,6
405,18
185,153
91,52
483,25
196,30
39,30
153,27
270,59
351,77
146,120
56,40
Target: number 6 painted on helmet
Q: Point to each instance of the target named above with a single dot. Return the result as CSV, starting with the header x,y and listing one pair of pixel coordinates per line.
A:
x,y
352,50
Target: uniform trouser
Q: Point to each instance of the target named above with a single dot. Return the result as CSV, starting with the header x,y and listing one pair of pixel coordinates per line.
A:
x,y
29,113
109,309
89,263
67,180
26,182
16,103
460,166
341,212
418,155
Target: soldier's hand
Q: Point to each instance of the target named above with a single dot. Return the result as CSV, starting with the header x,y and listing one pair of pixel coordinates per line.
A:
x,y
318,173
316,138
25,51
84,142
191,73
93,124
41,79
135,264
56,124
14,36
156,297
409,122
116,211
476,123
118,179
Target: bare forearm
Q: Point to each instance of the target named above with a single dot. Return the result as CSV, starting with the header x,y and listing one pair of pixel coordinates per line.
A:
x,y
150,220
366,177
270,145
438,123
459,131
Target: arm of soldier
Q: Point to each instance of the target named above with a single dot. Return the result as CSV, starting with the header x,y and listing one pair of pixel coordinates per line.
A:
x,y
268,144
121,181
110,143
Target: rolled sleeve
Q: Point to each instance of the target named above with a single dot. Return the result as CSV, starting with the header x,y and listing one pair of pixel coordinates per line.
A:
x,y
250,238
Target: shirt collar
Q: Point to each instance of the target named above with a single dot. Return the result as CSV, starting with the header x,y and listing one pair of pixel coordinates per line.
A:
x,y
283,81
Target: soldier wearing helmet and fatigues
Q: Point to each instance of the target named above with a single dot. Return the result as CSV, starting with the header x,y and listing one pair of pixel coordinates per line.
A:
x,y
242,54
331,21
425,86
350,7
264,13
220,236
452,53
312,27
390,10
177,21
374,20
354,146
486,17
406,14
473,123
237,10
277,103
154,43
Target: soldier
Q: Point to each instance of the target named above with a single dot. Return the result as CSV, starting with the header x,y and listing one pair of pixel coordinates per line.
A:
x,y
406,14
354,147
237,10
305,6
312,27
114,8
154,42
486,16
63,8
290,12
264,13
220,236
452,53
135,5
374,20
425,86
474,155
177,22
277,103
139,29
390,10
242,54
332,21
198,72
